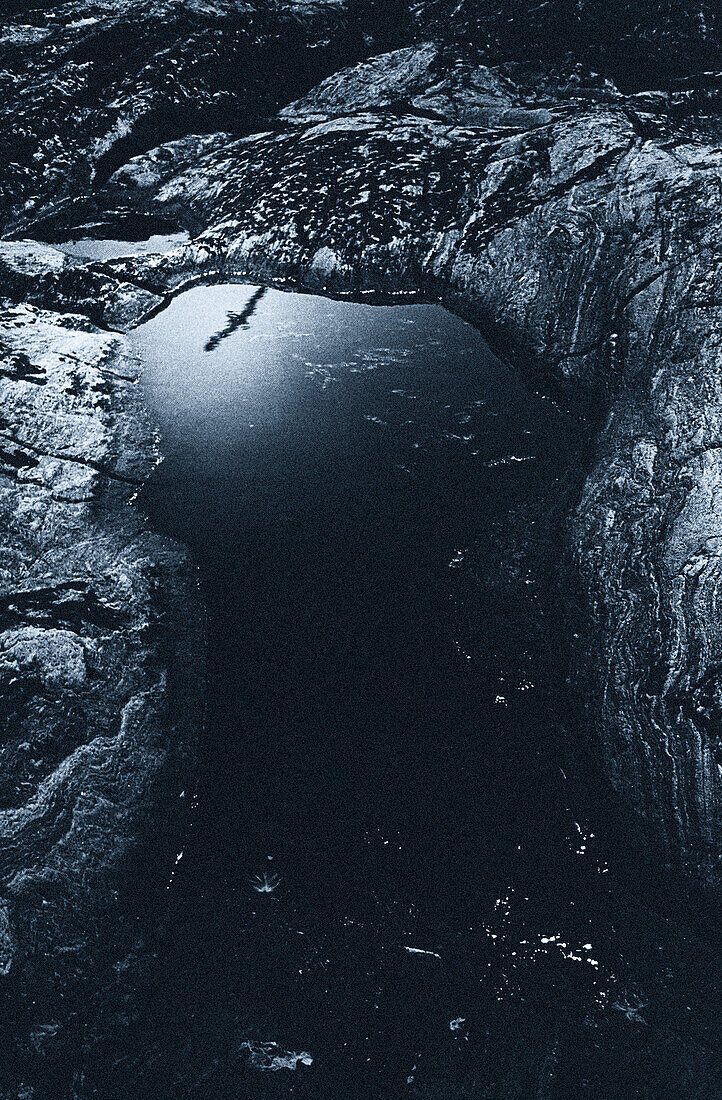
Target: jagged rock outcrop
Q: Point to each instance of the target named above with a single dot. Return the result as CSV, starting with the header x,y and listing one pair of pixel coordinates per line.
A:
x,y
101,653
583,238
578,228
85,86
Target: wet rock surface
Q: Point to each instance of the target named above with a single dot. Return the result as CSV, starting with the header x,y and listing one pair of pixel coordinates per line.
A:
x,y
101,683
583,240
577,227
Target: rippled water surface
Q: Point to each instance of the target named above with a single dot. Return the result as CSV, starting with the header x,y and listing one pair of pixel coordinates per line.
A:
x,y
394,882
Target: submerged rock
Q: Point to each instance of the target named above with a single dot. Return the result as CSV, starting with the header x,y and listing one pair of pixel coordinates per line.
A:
x,y
271,1057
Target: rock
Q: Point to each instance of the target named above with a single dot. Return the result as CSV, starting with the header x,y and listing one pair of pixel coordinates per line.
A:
x,y
148,171
588,255
372,85
41,1037
271,1057
43,275
55,657
95,747
7,945
90,87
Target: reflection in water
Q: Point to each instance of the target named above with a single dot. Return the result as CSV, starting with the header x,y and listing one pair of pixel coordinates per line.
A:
x,y
236,320
389,868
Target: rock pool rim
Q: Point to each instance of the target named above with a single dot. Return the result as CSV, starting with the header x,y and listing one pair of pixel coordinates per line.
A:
x,y
369,297
586,404
578,407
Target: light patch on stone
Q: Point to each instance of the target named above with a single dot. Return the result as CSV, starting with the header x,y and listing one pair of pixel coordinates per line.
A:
x,y
7,946
55,656
271,1057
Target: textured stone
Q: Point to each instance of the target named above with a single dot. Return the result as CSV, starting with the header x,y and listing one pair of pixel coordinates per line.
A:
x,y
95,747
86,86
584,240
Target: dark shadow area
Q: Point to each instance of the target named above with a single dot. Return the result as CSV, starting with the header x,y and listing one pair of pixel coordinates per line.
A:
x,y
402,867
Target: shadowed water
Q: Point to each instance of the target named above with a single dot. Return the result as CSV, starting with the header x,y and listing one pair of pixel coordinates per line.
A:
x,y
332,465
393,867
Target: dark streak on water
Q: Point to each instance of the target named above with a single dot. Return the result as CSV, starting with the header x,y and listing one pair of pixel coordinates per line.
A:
x,y
367,490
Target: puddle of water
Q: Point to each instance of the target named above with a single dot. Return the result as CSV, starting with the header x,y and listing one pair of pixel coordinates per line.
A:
x,y
386,869
328,462
87,248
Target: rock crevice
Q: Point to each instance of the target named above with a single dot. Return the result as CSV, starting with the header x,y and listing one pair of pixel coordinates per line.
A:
x,y
587,249
577,227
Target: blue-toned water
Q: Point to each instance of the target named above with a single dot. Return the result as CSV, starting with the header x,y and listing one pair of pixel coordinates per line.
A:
x,y
90,248
397,879
334,464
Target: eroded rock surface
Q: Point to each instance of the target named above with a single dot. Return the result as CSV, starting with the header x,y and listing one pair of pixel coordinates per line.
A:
x,y
86,85
580,229
100,678
584,240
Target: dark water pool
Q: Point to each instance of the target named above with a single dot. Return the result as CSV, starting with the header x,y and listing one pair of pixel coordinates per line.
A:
x,y
332,465
394,867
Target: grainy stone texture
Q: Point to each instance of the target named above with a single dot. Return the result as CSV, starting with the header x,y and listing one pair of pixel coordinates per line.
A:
x,y
584,240
578,228
86,85
101,641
